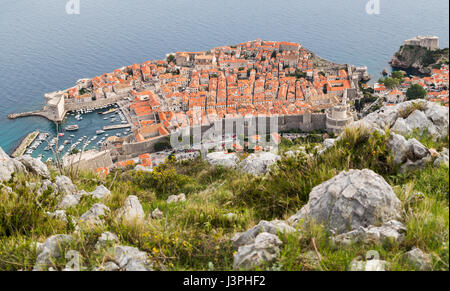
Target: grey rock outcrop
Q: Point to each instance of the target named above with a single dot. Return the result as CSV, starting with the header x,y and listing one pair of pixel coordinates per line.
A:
x,y
176,198
350,200
101,192
34,166
9,166
131,259
442,159
273,227
418,259
392,230
64,185
105,239
59,214
131,210
157,214
69,200
222,159
329,143
51,249
264,249
428,116
409,154
258,163
371,265
94,216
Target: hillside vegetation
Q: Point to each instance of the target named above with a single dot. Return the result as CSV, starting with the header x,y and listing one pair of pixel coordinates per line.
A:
x,y
197,233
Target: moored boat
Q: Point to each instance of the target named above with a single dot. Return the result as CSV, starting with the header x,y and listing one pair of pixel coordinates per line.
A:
x,y
72,127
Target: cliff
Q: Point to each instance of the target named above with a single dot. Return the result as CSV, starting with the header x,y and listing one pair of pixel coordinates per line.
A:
x,y
418,59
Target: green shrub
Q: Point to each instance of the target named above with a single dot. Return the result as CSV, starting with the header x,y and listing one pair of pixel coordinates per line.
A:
x,y
286,188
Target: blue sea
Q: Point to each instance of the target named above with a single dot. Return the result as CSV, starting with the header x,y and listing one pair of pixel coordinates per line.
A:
x,y
43,49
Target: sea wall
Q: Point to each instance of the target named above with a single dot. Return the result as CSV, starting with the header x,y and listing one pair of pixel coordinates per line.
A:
x,y
246,126
90,160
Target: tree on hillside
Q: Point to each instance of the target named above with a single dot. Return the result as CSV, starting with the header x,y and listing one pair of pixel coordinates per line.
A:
x,y
416,92
391,83
399,75
170,58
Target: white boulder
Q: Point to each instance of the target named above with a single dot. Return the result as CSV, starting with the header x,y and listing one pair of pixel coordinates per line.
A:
x,y
273,227
94,216
100,192
265,248
176,198
64,185
258,163
34,166
51,249
131,210
9,166
350,200
222,159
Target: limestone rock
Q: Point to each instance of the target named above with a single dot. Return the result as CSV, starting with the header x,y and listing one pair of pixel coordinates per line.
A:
x,y
51,249
418,259
264,249
392,230
69,201
9,166
401,127
273,227
111,266
222,159
47,185
106,238
34,166
428,116
371,265
439,116
350,200
131,210
59,214
258,163
94,215
398,145
417,151
419,121
157,214
100,192
442,159
64,185
176,198
131,259
329,142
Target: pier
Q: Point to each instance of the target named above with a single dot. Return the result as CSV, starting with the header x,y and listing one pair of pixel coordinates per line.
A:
x,y
41,113
25,143
57,111
117,126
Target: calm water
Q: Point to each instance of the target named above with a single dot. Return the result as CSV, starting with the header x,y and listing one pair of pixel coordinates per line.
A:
x,y
43,49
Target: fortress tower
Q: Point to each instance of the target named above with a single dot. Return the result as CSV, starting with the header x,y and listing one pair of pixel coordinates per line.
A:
x,y
339,116
429,42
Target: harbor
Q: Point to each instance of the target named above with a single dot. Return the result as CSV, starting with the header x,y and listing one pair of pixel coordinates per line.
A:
x,y
81,130
26,142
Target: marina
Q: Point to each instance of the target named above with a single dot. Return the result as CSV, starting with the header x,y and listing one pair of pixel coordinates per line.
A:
x,y
80,131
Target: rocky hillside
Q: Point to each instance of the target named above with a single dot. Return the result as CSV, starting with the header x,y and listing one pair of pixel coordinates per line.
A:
x,y
419,59
374,198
